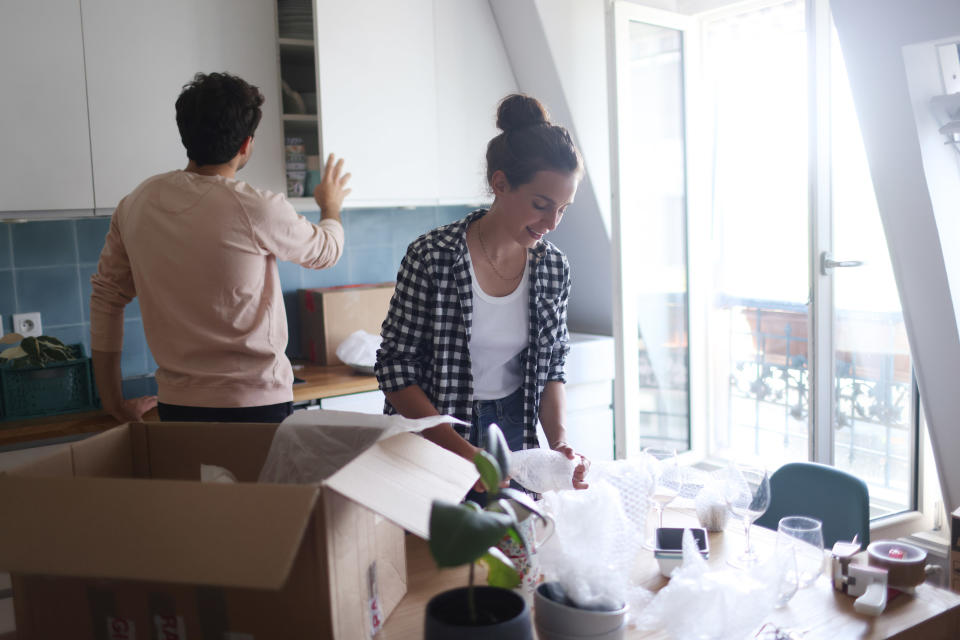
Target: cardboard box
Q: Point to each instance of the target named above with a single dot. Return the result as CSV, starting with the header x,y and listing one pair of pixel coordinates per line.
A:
x,y
115,537
328,315
955,551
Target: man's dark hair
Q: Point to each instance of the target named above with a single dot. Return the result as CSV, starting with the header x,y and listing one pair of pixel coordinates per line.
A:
x,y
215,114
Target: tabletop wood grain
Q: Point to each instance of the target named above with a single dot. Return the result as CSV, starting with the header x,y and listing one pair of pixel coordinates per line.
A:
x,y
818,611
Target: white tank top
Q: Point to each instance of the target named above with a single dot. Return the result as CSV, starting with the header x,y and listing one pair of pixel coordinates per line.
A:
x,y
497,338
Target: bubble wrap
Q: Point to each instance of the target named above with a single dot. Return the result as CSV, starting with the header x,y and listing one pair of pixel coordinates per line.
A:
x,y
599,532
542,470
718,604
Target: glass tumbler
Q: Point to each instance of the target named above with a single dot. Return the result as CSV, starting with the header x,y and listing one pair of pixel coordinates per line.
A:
x,y
805,536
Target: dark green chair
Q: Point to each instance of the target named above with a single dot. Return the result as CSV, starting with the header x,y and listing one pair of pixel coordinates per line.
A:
x,y
836,498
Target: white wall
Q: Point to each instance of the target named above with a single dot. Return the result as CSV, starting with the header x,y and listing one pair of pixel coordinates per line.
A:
x,y
557,49
924,261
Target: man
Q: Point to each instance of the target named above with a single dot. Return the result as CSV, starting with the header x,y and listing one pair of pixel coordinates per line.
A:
x,y
199,249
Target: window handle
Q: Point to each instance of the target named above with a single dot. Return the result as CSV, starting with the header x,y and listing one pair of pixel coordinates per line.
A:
x,y
827,262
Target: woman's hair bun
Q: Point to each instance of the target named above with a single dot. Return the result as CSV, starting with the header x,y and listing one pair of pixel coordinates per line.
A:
x,y
517,111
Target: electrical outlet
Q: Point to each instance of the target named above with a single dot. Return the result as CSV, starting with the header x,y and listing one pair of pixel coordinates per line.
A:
x,y
28,324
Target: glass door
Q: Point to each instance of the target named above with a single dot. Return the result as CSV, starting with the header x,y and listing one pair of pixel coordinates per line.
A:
x,y
651,219
755,77
786,342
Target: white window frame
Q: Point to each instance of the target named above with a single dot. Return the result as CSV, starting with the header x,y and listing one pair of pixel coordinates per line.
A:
x,y
626,412
929,511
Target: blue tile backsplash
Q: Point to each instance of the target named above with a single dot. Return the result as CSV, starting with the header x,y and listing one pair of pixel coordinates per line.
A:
x,y
44,244
46,266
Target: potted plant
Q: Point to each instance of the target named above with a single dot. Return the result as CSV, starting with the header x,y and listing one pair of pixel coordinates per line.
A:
x,y
467,533
34,352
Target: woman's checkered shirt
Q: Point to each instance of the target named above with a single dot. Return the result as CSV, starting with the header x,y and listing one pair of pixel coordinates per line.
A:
x,y
426,334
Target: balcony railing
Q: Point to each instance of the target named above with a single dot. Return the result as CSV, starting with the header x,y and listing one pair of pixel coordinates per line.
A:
x,y
873,391
767,400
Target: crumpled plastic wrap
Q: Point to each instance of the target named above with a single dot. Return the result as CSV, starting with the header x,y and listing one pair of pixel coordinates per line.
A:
x,y
213,473
598,535
541,470
359,349
310,446
704,604
712,500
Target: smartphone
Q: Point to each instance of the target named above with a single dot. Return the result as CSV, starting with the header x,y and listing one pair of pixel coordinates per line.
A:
x,y
671,538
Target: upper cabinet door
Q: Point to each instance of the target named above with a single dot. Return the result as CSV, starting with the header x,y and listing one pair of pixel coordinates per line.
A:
x,y
45,161
473,75
378,99
140,53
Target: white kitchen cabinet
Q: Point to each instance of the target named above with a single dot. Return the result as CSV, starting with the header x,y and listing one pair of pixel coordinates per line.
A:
x,y
140,53
408,95
377,95
45,152
473,75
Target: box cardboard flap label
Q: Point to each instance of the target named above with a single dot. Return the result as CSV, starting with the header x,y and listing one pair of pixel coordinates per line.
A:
x,y
235,535
401,476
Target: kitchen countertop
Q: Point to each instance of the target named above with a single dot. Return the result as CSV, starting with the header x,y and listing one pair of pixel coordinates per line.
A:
x,y
320,382
327,382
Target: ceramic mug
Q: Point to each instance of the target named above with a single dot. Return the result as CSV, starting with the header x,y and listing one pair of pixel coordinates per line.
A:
x,y
525,560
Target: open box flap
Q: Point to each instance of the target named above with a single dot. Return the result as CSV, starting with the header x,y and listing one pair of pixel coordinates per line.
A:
x,y
234,535
399,478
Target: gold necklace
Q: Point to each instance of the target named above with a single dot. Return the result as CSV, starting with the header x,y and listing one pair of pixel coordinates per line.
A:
x,y
483,247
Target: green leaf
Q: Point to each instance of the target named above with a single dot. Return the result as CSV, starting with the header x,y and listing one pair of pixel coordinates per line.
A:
x,y
503,506
470,504
497,445
506,507
12,353
32,347
459,535
522,502
59,355
501,571
489,470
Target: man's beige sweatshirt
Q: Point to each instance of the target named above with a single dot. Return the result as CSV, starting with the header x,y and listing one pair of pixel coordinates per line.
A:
x,y
200,253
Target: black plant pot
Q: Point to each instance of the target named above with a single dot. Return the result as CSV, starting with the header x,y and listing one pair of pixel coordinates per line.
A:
x,y
502,614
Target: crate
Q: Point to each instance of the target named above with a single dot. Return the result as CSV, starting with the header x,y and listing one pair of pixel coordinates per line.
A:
x,y
59,387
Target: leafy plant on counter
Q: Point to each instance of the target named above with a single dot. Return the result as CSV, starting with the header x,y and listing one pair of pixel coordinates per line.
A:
x,y
468,533
34,351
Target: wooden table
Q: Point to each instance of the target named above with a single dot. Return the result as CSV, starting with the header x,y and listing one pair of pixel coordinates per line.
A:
x,y
819,610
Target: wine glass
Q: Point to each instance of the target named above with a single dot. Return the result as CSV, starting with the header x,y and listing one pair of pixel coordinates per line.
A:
x,y
749,499
805,537
668,480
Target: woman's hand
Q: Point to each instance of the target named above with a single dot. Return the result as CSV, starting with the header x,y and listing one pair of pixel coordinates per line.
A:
x,y
580,471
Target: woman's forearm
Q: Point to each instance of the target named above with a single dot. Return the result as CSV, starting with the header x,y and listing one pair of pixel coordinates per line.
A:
x,y
553,413
412,402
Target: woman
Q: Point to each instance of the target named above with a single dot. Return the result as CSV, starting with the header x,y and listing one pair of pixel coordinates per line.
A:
x,y
477,324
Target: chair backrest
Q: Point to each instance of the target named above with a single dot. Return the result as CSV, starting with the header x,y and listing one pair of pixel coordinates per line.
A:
x,y
838,499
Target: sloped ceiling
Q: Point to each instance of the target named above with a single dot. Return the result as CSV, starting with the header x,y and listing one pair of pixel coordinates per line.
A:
x,y
873,36
571,81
